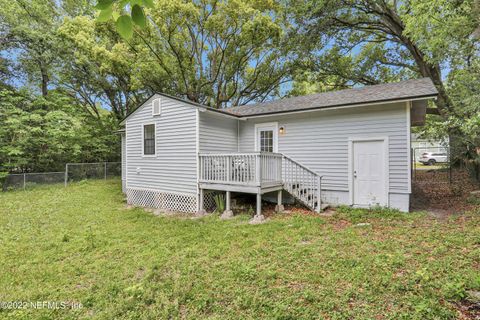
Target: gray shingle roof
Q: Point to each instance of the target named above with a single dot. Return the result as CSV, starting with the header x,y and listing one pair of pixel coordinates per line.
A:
x,y
410,89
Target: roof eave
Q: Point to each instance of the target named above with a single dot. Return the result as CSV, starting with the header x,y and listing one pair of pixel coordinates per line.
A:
x,y
341,106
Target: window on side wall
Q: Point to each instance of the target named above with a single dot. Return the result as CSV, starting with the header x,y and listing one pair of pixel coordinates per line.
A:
x,y
149,140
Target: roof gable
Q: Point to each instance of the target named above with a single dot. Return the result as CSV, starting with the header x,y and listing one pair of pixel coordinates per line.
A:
x,y
185,102
389,92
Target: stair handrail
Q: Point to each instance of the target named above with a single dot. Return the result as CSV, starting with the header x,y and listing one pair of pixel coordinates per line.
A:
x,y
319,181
301,165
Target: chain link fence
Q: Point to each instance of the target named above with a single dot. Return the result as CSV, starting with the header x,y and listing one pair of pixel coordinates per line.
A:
x,y
432,165
74,172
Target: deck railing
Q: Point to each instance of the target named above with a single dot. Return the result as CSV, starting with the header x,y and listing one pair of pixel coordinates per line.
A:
x,y
303,183
262,169
258,168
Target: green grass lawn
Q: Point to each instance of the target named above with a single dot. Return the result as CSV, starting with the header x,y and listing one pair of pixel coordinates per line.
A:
x,y
438,166
80,244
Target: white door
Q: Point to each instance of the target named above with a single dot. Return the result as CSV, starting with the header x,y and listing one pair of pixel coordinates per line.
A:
x,y
369,173
266,137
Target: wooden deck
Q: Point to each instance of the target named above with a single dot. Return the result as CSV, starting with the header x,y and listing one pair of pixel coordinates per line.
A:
x,y
241,172
258,173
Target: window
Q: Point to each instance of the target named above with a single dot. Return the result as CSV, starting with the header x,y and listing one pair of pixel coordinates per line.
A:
x,y
266,140
149,139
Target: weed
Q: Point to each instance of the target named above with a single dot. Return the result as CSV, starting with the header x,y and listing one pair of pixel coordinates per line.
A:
x,y
219,202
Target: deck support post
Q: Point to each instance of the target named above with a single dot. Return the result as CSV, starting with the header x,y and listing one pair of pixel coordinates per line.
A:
x,y
258,217
259,204
319,195
201,211
279,207
228,213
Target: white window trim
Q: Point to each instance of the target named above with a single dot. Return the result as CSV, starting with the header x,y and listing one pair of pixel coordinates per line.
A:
x,y
143,140
386,147
275,134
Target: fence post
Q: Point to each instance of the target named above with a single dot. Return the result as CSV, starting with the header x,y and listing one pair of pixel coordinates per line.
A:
x,y
105,170
66,175
24,181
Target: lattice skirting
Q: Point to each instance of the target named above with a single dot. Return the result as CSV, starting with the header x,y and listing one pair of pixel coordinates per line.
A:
x,y
162,200
209,201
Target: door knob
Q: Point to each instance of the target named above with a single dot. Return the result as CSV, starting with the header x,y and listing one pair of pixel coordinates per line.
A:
x,y
355,173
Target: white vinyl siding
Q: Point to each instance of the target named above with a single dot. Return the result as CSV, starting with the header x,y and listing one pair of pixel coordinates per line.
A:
x,y
319,140
217,133
173,167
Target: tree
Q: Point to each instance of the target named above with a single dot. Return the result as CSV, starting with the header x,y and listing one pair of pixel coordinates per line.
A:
x,y
372,41
42,48
214,53
43,133
23,26
416,37
97,68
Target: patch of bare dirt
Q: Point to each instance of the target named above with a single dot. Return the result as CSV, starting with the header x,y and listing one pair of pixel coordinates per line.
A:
x,y
468,310
433,191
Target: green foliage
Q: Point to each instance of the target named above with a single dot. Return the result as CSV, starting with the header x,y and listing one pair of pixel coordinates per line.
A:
x,y
138,16
98,69
124,26
116,9
474,200
442,28
224,53
130,264
352,42
219,202
356,215
105,15
43,133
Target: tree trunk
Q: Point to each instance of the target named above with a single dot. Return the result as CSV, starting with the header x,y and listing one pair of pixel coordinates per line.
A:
x,y
394,23
45,80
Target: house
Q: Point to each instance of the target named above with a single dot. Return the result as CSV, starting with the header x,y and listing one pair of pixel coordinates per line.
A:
x,y
349,147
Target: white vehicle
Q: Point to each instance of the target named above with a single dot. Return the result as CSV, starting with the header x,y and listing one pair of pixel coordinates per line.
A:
x,y
432,158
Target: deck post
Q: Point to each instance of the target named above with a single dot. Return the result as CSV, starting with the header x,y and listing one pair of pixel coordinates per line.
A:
x,y
229,168
279,207
201,211
259,204
228,213
258,217
258,169
319,194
